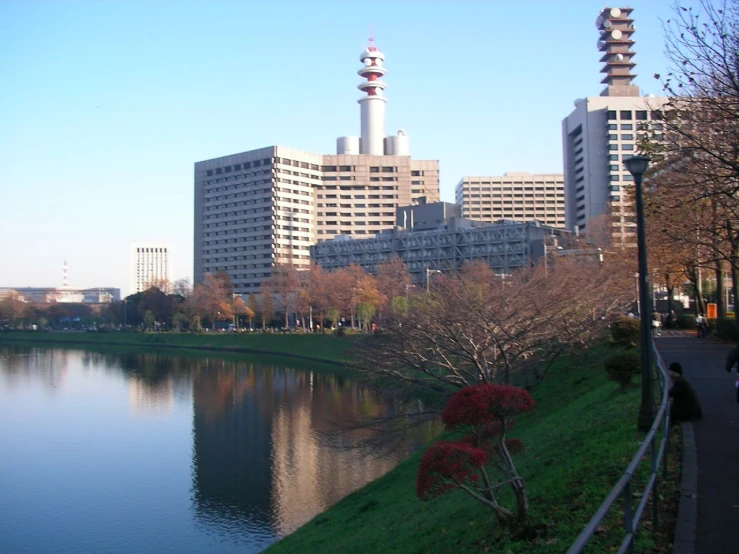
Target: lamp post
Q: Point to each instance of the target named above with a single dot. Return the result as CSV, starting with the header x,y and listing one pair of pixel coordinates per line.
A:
x,y
637,165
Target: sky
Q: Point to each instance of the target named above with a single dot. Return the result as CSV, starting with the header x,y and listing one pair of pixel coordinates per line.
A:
x,y
105,106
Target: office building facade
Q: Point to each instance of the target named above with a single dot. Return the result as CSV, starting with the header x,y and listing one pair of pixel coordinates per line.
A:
x,y
605,130
518,196
434,238
264,207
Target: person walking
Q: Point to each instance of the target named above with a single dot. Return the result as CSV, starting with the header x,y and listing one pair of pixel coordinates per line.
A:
x,y
699,325
656,324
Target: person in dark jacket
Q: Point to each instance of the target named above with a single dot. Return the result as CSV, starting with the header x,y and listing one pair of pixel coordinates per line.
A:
x,y
685,405
731,360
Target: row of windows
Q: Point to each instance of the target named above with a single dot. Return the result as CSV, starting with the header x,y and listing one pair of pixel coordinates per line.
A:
x,y
628,115
238,167
525,202
358,214
151,250
334,205
359,187
350,223
210,182
514,195
517,184
510,189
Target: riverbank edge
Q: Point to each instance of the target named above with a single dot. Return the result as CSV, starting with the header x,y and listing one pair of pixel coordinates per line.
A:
x,y
69,339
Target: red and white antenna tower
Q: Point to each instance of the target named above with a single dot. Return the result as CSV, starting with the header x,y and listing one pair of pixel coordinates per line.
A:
x,y
373,103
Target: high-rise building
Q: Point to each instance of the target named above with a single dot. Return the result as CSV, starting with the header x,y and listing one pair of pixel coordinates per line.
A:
x,y
604,130
516,196
268,206
150,265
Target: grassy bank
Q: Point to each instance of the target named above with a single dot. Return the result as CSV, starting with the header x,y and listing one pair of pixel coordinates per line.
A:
x,y
579,439
318,347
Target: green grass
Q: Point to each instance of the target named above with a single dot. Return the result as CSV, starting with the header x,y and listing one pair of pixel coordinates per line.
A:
x,y
579,440
325,348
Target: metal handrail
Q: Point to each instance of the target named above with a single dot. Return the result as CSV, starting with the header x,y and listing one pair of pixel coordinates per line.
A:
x,y
623,486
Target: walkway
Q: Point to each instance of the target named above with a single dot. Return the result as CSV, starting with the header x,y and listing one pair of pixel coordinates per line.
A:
x,y
716,439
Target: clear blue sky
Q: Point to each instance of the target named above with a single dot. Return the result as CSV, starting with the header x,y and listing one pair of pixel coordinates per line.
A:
x,y
106,106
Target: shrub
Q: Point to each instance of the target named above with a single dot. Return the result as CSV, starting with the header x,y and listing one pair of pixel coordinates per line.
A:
x,y
625,332
686,321
726,329
623,366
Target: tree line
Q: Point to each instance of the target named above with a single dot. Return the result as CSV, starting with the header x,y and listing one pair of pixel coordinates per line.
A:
x,y
691,187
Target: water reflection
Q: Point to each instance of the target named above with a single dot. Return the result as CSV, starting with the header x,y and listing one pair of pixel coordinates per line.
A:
x,y
259,463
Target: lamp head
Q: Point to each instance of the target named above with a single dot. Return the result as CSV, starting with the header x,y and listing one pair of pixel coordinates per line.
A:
x,y
637,165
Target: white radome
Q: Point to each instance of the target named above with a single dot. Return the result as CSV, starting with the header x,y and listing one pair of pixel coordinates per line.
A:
x,y
615,12
616,34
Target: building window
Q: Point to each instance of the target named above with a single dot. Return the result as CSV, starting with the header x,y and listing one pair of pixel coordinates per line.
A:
x,y
388,169
611,114
627,136
210,172
627,147
614,177
627,127
641,115
612,126
346,168
627,114
374,169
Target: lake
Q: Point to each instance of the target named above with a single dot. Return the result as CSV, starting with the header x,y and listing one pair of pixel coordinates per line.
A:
x,y
146,452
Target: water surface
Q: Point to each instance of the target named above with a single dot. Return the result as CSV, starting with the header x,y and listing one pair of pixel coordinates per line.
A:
x,y
157,453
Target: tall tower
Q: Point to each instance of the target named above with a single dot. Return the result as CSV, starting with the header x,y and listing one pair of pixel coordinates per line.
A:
x,y
65,282
616,27
373,104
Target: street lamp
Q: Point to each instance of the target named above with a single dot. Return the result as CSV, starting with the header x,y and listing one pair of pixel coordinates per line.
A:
x,y
637,165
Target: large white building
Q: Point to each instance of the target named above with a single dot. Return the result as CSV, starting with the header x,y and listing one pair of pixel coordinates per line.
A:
x,y
518,196
268,206
603,131
151,264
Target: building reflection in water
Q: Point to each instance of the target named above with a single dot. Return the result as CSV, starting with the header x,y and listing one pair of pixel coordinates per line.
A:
x,y
258,449
49,367
261,465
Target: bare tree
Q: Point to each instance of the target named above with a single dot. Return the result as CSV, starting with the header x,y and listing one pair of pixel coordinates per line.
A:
x,y
284,284
476,327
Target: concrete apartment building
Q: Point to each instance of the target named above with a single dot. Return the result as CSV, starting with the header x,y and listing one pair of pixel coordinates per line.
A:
x,y
603,131
268,206
517,196
149,263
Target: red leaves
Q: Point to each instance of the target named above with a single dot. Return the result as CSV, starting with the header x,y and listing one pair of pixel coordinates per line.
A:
x,y
479,404
444,462
486,409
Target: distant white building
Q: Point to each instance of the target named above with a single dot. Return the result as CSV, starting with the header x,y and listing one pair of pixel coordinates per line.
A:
x,y
150,264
